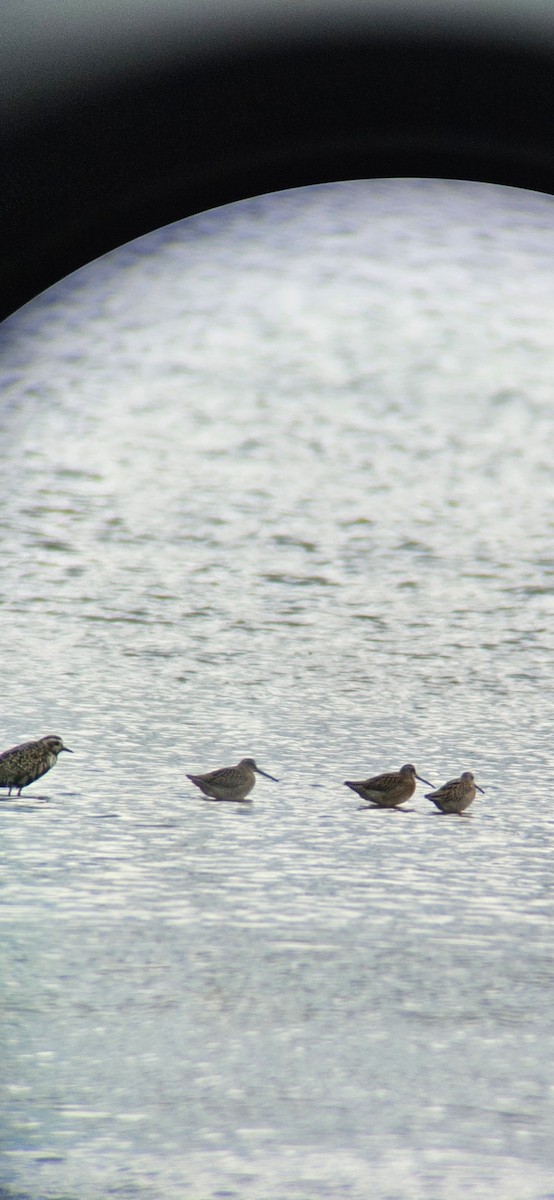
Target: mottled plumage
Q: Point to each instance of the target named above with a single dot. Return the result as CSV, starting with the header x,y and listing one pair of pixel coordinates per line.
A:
x,y
21,765
389,790
456,795
230,783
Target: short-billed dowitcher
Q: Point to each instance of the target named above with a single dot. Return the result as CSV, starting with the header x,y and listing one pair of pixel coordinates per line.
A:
x,y
230,783
23,764
390,790
456,795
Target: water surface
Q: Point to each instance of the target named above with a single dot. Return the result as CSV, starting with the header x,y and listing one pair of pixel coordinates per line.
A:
x,y
277,481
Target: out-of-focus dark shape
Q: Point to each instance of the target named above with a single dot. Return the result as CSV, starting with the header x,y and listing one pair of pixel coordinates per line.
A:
x,y
119,118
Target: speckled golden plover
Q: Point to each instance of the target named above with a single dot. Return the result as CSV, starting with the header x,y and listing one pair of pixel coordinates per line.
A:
x,y
21,765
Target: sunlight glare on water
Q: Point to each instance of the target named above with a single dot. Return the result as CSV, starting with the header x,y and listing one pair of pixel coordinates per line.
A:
x,y
276,481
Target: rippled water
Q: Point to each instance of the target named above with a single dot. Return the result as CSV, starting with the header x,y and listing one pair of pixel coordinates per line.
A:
x,y
278,481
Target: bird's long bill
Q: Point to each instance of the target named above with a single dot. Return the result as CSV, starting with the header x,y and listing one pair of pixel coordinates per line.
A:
x,y
482,790
260,772
422,780
68,750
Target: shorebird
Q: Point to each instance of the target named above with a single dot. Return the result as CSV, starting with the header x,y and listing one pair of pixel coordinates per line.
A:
x,y
230,783
390,790
23,764
456,795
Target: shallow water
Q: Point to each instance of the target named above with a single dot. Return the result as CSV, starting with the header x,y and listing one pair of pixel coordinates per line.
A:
x,y
277,481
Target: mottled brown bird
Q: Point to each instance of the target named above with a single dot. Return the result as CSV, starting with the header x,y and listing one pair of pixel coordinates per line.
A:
x,y
389,790
21,765
456,795
230,783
